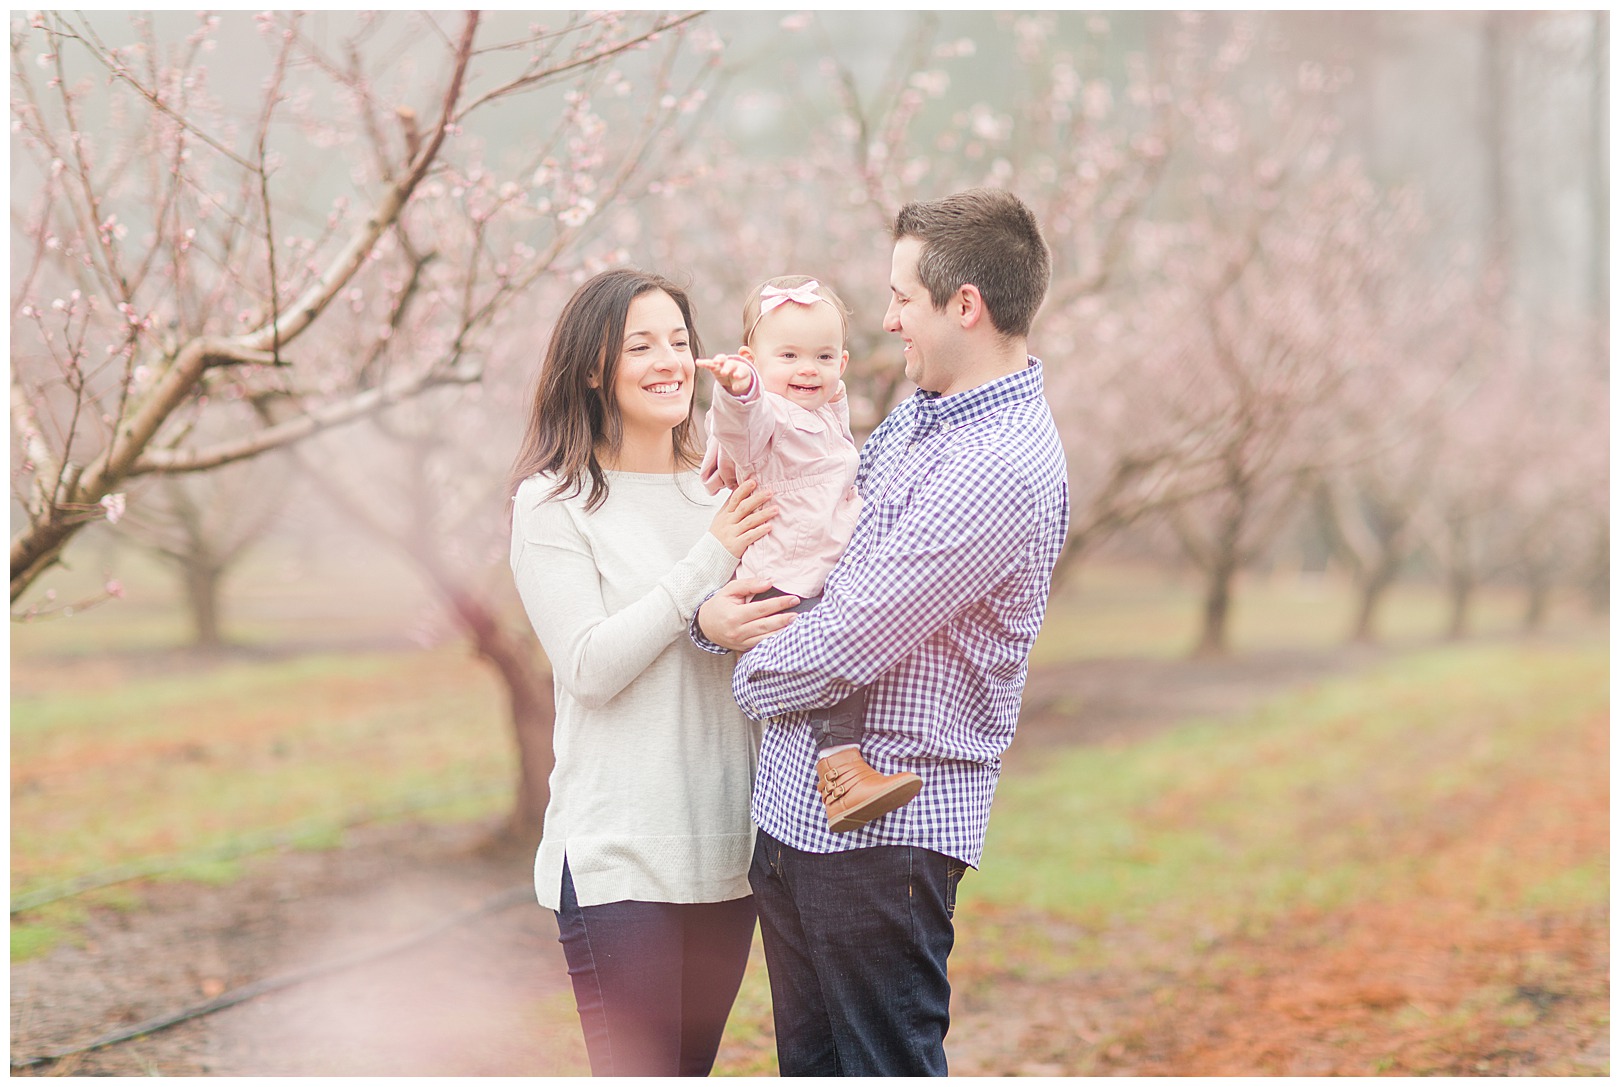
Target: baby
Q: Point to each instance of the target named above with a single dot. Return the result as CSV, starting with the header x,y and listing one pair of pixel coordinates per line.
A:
x,y
780,416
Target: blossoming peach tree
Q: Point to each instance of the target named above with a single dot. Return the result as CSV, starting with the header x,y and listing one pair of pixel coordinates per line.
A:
x,y
233,236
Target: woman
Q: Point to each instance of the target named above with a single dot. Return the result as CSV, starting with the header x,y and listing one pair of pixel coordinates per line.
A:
x,y
615,542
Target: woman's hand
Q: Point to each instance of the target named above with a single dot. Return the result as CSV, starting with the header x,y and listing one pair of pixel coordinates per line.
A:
x,y
732,371
744,518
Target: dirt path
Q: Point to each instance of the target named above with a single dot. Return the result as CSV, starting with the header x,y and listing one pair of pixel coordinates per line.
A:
x,y
465,1003
455,1005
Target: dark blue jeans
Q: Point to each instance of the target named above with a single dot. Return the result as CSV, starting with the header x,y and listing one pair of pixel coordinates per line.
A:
x,y
654,981
855,944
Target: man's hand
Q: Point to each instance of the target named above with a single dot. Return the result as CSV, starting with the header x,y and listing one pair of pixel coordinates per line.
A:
x,y
733,620
731,371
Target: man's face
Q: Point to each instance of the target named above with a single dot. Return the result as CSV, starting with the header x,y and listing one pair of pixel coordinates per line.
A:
x,y
932,338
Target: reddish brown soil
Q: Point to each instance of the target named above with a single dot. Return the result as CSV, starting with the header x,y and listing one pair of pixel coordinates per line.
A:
x,y
1389,988
1432,985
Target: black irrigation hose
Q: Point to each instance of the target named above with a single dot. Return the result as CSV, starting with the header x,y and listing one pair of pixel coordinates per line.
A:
x,y
242,847
495,903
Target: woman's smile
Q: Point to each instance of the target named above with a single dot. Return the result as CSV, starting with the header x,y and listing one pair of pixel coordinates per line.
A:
x,y
653,387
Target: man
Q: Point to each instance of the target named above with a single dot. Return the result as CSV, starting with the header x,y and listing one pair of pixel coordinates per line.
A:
x,y
933,610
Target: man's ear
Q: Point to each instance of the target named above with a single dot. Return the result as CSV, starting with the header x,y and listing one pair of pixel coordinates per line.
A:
x,y
969,305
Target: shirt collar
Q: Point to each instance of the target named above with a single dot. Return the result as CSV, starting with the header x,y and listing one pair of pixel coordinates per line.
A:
x,y
935,412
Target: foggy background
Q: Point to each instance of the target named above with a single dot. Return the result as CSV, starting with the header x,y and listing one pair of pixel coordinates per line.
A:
x,y
1490,127
1327,344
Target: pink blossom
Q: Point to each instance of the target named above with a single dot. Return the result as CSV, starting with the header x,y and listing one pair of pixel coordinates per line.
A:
x,y
113,504
578,213
934,84
1098,99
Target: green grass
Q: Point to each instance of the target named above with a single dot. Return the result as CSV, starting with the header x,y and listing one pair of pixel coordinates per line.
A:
x,y
190,763
29,939
1123,610
749,1046
120,754
1159,858
556,1023
1148,857
1298,805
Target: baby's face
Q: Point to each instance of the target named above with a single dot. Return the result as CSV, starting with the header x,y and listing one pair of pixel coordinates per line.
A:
x,y
799,352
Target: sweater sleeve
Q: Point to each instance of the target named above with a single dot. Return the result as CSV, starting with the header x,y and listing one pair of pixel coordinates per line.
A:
x,y
595,654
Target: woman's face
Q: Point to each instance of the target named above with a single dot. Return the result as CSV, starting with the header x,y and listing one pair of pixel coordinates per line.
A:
x,y
653,386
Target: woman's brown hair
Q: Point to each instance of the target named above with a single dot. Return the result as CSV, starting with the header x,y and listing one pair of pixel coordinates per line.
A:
x,y
574,411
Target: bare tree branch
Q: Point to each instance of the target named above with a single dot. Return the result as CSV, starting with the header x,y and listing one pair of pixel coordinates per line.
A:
x,y
312,421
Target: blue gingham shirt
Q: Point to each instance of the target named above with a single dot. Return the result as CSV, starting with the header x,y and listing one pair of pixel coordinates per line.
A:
x,y
933,609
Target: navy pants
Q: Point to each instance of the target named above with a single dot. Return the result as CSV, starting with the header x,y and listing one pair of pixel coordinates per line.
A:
x,y
654,981
855,945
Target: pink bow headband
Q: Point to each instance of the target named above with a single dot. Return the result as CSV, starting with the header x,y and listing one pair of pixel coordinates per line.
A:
x,y
771,297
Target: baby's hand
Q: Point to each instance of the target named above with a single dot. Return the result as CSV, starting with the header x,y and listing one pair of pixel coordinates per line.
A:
x,y
732,371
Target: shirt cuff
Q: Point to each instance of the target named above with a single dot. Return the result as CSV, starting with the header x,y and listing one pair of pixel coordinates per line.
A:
x,y
696,632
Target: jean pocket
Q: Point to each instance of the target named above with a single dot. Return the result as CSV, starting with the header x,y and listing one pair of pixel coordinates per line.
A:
x,y
953,877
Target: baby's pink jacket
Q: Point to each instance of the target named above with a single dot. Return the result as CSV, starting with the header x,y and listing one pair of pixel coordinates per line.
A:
x,y
807,459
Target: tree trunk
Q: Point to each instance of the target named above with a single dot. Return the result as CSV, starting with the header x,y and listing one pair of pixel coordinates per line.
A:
x,y
1373,587
534,715
527,685
533,712
202,583
37,549
1597,584
1217,609
1538,595
1461,592
1222,561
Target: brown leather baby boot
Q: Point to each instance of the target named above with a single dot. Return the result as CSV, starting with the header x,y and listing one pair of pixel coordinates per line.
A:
x,y
856,794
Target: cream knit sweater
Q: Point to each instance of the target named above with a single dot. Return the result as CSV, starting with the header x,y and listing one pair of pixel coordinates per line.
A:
x,y
655,762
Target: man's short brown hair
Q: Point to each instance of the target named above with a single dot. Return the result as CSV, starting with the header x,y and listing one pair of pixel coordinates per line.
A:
x,y
986,237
